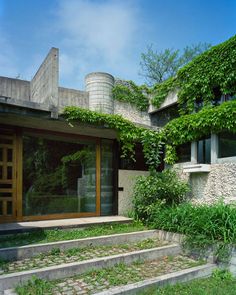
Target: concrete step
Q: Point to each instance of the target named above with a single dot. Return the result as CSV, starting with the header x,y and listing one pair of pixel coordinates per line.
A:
x,y
185,275
22,252
66,270
133,278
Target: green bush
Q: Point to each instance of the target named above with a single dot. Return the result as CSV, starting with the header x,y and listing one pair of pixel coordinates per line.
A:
x,y
150,192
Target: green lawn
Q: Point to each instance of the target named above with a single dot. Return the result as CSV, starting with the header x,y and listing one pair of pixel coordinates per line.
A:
x,y
210,286
44,236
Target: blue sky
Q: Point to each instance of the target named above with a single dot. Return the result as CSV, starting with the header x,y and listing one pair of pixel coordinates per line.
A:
x,y
104,35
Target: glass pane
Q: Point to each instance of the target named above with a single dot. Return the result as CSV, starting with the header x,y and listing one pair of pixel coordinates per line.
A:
x,y
184,153
204,151
227,145
107,177
9,172
1,207
5,195
58,176
9,155
9,208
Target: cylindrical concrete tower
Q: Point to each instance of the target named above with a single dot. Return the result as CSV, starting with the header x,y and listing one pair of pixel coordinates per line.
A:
x,y
99,86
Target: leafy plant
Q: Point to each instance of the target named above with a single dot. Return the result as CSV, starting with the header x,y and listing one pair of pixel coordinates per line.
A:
x,y
128,132
129,92
156,189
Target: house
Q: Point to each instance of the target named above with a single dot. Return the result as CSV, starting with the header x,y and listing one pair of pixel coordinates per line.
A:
x,y
51,169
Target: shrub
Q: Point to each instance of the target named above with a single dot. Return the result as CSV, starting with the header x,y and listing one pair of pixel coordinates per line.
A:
x,y
156,189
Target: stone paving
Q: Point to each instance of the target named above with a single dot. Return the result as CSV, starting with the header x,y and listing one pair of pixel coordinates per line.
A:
x,y
100,280
56,257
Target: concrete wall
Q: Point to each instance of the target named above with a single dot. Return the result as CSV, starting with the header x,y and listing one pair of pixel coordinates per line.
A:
x,y
72,97
126,180
131,113
14,88
44,85
171,99
99,86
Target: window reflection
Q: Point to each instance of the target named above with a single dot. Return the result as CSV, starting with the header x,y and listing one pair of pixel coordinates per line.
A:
x,y
58,176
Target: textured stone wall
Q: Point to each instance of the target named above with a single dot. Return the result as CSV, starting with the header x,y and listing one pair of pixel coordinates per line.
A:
x,y
44,85
14,88
131,113
221,182
126,180
72,97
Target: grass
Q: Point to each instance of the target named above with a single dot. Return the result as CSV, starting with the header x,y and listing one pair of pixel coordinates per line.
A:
x,y
45,236
220,283
117,275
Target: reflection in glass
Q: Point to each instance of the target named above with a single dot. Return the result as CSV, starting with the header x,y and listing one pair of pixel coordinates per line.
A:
x,y
58,176
107,177
227,144
204,151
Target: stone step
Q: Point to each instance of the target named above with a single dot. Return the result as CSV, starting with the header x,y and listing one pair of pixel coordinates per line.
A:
x,y
132,278
184,275
69,269
22,252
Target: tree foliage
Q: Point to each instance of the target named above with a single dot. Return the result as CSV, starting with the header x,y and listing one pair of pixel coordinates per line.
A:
x,y
156,66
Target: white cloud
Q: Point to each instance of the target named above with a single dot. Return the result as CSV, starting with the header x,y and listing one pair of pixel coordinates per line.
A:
x,y
97,35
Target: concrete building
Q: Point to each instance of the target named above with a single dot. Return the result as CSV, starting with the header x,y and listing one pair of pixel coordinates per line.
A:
x,y
51,170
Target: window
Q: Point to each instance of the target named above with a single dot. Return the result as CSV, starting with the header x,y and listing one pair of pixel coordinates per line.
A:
x,y
184,153
204,151
227,144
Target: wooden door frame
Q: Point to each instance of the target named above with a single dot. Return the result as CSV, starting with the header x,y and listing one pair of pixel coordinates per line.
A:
x,y
17,206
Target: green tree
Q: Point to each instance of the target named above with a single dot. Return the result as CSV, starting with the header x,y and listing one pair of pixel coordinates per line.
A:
x,y
159,66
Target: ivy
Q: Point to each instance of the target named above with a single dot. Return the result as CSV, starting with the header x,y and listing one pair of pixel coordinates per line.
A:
x,y
193,127
128,132
128,91
214,69
160,91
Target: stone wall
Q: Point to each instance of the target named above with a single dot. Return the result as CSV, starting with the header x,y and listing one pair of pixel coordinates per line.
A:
x,y
14,88
131,113
219,183
126,181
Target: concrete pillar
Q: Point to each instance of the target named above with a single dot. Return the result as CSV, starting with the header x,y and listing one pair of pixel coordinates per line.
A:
x,y
214,148
99,86
194,152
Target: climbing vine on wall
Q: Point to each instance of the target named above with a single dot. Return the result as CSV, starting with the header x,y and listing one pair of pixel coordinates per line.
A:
x,y
178,131
214,71
128,133
128,91
192,127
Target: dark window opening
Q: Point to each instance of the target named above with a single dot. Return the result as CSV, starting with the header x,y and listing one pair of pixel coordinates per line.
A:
x,y
204,151
227,144
184,153
138,164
